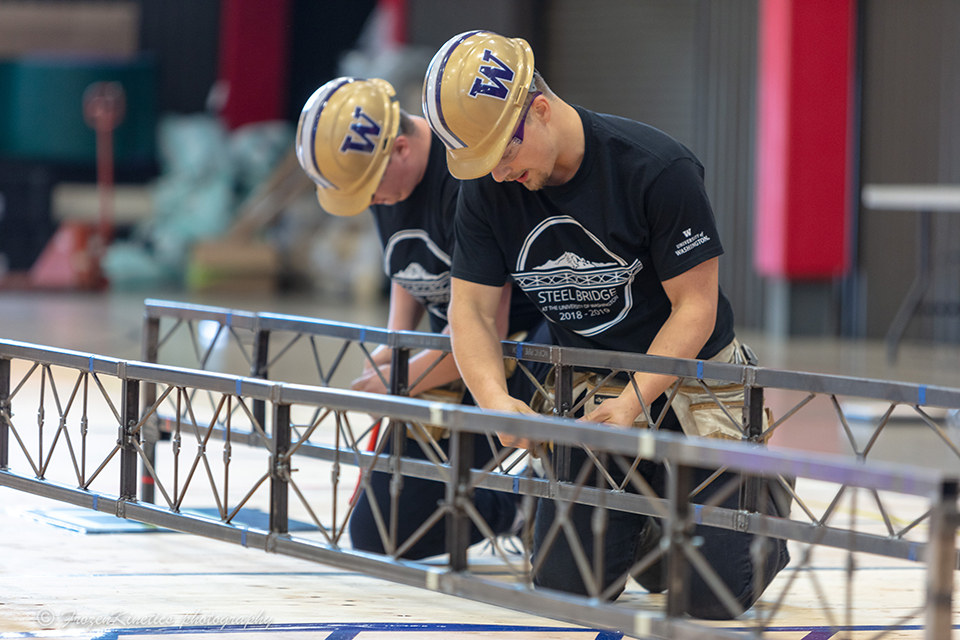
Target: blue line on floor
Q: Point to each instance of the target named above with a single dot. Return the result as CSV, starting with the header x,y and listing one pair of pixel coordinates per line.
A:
x,y
832,630
342,631
347,631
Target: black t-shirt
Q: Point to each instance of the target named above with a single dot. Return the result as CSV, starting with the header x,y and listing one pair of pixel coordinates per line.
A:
x,y
592,253
418,239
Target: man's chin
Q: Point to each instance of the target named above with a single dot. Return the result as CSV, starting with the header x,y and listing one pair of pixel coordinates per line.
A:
x,y
535,181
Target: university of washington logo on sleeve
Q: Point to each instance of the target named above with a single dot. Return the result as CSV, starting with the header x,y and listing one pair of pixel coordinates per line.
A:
x,y
362,134
495,74
691,241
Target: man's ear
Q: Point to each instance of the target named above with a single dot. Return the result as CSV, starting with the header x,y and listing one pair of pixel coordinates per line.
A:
x,y
541,107
401,146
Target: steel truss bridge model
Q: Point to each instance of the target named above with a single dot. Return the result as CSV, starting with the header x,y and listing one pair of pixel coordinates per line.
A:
x,y
85,429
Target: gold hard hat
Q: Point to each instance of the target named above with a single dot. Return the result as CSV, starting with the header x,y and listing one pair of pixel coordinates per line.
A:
x,y
344,139
473,94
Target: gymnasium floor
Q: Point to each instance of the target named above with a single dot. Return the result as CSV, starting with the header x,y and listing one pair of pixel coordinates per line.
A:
x,y
55,583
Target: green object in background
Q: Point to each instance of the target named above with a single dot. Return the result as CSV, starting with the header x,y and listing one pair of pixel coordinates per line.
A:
x,y
41,108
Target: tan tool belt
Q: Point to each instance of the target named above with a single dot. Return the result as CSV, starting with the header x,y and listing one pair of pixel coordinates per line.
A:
x,y
453,393
698,413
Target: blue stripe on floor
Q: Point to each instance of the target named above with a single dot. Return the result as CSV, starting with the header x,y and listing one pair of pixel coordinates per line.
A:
x,y
357,628
832,630
348,631
340,631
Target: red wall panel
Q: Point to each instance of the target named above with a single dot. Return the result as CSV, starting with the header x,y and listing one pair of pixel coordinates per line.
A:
x,y
254,57
806,67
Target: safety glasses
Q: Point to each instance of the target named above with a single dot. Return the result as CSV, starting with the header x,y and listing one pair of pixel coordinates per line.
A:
x,y
513,147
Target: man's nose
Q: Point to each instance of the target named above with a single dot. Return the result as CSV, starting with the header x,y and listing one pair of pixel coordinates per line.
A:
x,y
500,172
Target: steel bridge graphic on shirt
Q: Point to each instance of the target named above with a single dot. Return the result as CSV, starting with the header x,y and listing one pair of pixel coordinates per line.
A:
x,y
533,280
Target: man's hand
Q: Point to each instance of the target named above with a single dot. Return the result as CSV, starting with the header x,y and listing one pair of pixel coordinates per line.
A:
x,y
370,381
510,404
617,412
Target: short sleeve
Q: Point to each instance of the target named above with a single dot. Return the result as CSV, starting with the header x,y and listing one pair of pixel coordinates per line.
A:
x,y
449,189
683,230
477,255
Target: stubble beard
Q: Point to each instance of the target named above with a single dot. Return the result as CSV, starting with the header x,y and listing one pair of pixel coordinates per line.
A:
x,y
536,180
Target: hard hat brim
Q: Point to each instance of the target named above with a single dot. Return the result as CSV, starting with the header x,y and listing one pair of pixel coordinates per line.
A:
x,y
477,161
338,203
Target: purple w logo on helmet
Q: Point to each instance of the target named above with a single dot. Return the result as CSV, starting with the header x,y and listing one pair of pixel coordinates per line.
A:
x,y
365,142
494,74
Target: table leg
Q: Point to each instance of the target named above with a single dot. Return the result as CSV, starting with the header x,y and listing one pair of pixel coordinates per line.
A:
x,y
921,281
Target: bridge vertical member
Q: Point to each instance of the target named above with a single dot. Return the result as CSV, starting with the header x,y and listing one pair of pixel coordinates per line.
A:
x,y
362,150
606,226
4,413
399,386
280,470
678,527
258,369
942,561
149,349
754,419
458,522
129,438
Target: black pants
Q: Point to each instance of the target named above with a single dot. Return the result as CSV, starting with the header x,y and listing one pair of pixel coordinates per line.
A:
x,y
419,498
728,552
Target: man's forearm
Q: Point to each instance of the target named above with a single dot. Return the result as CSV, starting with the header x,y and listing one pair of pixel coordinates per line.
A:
x,y
682,336
442,369
476,347
474,313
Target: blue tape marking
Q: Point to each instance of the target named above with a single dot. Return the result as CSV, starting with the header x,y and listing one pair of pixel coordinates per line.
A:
x,y
699,368
912,554
698,513
96,499
346,631
243,537
229,318
90,366
363,335
519,350
516,484
908,486
824,634
923,394
238,386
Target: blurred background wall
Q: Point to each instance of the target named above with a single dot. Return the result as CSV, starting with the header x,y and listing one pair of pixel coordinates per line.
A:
x,y
694,68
